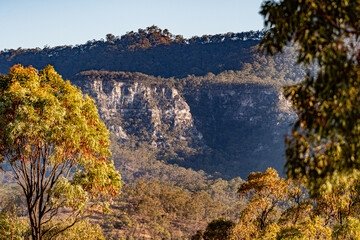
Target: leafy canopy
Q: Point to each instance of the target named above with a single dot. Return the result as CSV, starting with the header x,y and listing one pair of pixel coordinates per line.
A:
x,y
48,131
324,147
266,193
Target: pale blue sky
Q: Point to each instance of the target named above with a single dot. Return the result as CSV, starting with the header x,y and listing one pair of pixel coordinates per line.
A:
x,y
36,23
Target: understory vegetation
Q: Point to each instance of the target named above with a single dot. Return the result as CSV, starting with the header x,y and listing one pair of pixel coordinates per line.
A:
x,y
265,206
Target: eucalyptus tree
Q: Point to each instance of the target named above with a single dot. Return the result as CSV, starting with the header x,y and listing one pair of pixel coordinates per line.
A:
x,y
266,194
57,147
324,146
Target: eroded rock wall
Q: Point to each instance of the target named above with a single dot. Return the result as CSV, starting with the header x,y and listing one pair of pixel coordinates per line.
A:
x,y
237,129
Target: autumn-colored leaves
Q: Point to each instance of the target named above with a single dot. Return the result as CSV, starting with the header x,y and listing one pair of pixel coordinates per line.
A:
x,y
277,208
49,130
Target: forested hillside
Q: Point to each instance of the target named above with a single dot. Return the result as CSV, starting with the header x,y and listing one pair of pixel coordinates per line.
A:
x,y
151,51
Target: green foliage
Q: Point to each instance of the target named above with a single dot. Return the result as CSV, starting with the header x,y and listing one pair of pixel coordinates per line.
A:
x,y
12,209
12,227
324,145
81,230
49,129
266,193
282,209
224,61
309,228
350,229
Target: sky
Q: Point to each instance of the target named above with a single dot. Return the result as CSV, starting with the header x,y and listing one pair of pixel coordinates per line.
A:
x,y
36,23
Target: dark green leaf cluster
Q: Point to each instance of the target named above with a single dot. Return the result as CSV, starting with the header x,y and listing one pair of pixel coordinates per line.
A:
x,y
324,146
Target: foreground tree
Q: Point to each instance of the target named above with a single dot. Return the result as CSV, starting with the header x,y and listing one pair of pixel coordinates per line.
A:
x,y
50,133
324,147
277,209
266,193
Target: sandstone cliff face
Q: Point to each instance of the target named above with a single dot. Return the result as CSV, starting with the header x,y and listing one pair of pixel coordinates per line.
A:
x,y
157,115
237,130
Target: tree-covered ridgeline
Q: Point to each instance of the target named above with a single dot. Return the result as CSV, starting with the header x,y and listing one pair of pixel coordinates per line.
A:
x,y
151,51
261,69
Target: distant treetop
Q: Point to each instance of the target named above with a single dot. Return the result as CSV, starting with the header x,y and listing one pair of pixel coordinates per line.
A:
x,y
152,51
150,37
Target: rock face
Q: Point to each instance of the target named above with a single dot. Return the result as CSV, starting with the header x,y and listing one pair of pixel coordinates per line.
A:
x,y
142,112
246,124
252,106
237,130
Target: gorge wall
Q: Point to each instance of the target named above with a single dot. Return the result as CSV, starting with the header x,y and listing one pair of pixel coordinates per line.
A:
x,y
225,131
244,126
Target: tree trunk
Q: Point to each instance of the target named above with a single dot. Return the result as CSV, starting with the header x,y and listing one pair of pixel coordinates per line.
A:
x,y
35,233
